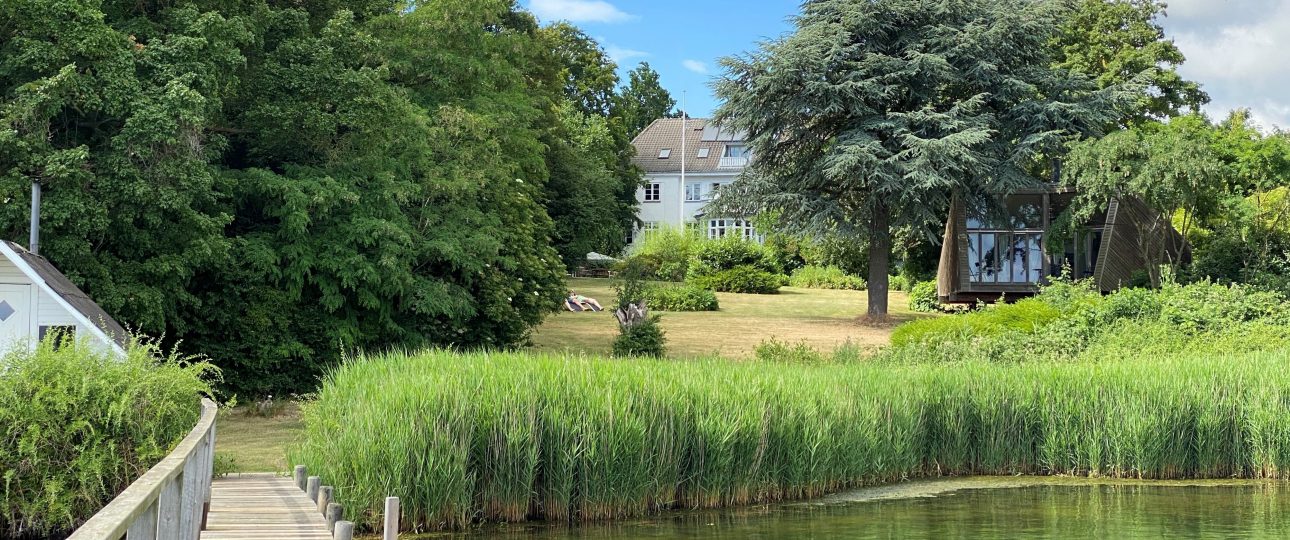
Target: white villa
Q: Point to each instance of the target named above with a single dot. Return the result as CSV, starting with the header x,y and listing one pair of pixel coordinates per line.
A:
x,y
686,162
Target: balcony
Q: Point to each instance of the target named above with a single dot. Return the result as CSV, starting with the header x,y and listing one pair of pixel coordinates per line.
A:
x,y
733,163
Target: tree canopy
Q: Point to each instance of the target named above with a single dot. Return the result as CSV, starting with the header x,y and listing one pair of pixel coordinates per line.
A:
x,y
644,100
275,184
1120,41
869,115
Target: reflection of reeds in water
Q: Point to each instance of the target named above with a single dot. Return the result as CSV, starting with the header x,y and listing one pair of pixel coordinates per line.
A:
x,y
465,438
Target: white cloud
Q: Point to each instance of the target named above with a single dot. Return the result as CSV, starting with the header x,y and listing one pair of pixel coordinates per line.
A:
x,y
578,11
1236,51
621,54
695,66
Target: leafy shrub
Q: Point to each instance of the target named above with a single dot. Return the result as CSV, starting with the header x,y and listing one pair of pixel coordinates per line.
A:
x,y
1027,316
1202,306
784,252
629,285
78,425
923,297
773,350
740,279
730,252
897,283
1072,321
681,298
848,254
665,254
825,277
645,338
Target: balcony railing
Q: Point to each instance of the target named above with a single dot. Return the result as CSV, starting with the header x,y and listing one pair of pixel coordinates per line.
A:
x,y
732,163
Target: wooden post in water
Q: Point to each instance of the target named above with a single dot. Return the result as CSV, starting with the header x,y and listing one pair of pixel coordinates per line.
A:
x,y
344,531
311,487
334,514
300,477
391,531
324,499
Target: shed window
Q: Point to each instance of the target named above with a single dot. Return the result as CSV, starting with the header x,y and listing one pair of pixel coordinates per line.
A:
x,y
57,334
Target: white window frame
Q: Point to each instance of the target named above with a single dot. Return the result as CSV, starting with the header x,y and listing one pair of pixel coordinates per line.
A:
x,y
719,227
703,152
743,151
656,190
664,153
694,192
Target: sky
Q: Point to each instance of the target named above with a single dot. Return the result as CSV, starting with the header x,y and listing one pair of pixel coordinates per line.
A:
x,y
1239,50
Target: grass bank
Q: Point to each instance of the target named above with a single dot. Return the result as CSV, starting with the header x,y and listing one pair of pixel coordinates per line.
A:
x,y
823,319
509,437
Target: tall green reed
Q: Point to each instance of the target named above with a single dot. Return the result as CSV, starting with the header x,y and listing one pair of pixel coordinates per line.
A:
x,y
466,438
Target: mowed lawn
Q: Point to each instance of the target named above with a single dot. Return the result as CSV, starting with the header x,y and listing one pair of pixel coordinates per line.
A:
x,y
823,319
257,443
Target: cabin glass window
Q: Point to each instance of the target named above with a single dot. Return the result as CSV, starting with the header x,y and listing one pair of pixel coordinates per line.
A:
x,y
1007,247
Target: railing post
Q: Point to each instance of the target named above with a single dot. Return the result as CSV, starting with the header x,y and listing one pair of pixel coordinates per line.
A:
x,y
324,499
311,488
300,477
344,531
391,530
168,508
335,513
189,482
208,459
144,527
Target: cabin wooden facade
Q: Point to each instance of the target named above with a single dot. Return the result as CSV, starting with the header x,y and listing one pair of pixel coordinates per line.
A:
x,y
990,254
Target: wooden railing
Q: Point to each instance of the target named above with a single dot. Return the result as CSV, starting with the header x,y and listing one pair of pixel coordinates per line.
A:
x,y
169,501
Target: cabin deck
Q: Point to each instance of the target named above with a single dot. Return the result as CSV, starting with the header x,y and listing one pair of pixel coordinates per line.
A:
x,y
262,507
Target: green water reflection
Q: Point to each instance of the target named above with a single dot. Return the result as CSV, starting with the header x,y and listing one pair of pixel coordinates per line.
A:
x,y
973,508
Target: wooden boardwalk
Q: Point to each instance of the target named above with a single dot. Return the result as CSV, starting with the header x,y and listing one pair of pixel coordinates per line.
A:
x,y
262,507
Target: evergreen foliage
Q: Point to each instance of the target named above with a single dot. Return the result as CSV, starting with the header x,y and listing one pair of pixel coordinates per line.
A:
x,y
907,101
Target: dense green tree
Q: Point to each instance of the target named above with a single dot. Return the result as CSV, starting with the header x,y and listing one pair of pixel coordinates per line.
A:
x,y
870,114
1119,41
1171,167
644,100
587,75
274,185
114,127
591,192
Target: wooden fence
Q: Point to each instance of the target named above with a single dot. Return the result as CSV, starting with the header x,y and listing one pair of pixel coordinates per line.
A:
x,y
168,502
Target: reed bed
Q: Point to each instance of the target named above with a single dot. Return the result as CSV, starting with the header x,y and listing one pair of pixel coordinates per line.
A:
x,y
465,438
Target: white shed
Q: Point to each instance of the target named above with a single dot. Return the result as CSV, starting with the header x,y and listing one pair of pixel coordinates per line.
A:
x,y
36,299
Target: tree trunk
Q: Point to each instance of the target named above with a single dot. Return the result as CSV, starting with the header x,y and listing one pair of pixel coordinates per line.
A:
x,y
879,260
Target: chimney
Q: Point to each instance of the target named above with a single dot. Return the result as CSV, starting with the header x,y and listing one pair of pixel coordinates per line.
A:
x,y
34,245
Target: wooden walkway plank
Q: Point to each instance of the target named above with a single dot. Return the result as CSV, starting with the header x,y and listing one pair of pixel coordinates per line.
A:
x,y
262,507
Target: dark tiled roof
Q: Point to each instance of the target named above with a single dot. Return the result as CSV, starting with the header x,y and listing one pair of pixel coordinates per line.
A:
x,y
72,294
666,133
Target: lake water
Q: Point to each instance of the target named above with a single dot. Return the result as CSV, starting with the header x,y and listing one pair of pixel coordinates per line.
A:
x,y
973,508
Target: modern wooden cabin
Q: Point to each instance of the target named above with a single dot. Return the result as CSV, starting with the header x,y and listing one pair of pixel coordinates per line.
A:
x,y
990,254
